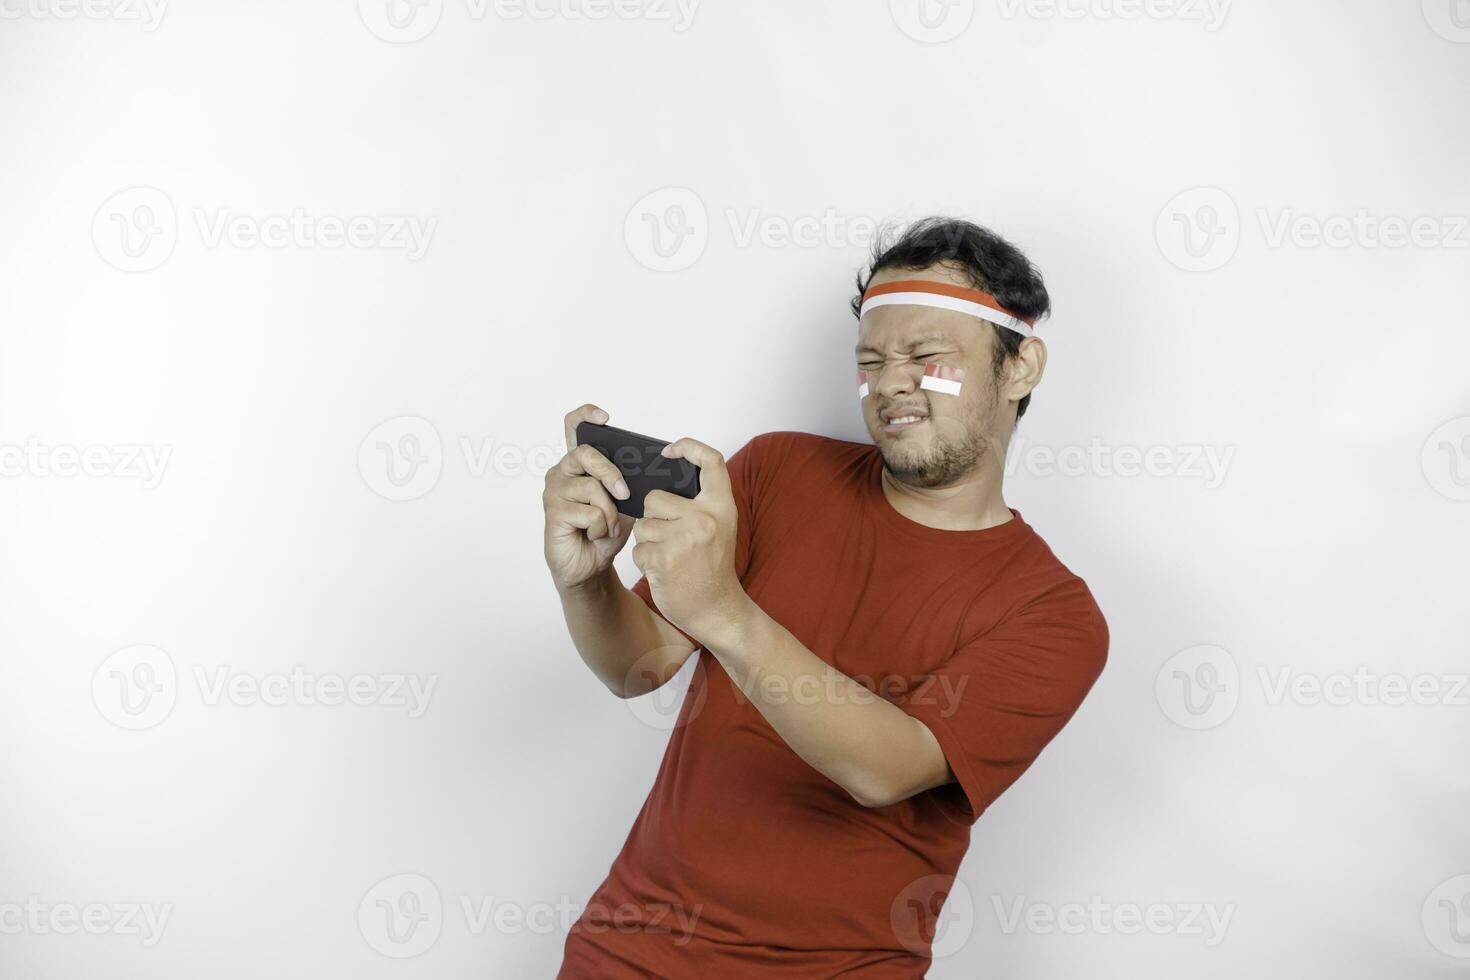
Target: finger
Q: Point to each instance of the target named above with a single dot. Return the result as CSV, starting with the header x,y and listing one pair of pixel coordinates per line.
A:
x,y
586,490
664,506
582,413
712,471
650,530
586,517
589,460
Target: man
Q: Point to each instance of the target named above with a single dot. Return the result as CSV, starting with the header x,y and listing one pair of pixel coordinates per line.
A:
x,y
884,645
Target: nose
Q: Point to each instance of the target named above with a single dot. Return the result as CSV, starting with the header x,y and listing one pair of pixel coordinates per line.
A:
x,y
895,380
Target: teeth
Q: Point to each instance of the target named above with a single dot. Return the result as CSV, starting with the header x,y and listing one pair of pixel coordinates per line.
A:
x,y
906,418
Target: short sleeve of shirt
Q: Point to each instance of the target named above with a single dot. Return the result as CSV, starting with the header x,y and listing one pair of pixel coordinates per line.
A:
x,y
996,703
751,474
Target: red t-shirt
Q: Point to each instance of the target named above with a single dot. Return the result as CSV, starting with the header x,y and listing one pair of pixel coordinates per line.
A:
x,y
745,861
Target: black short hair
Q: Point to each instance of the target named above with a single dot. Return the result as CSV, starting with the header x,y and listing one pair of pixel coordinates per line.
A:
x,y
991,264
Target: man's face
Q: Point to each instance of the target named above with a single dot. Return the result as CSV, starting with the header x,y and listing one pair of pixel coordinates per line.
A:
x,y
895,344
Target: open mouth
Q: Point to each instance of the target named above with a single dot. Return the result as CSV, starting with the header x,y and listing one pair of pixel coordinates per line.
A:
x,y
904,422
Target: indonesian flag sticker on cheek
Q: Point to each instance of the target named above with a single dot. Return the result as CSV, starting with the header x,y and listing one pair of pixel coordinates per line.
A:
x,y
945,380
862,384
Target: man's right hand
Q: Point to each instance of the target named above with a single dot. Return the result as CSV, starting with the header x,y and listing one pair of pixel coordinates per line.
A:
x,y
584,530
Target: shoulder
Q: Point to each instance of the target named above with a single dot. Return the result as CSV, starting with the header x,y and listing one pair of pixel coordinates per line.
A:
x,y
1052,597
791,446
787,458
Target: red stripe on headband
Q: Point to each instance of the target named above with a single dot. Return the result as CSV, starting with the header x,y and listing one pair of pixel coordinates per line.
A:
x,y
945,289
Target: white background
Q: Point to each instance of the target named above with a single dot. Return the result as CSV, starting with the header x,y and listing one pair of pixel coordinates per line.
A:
x,y
1332,376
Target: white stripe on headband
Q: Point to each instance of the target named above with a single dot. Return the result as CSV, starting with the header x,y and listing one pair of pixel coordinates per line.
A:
x,y
938,301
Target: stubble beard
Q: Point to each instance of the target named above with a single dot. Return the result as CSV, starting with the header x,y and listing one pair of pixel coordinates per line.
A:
x,y
953,449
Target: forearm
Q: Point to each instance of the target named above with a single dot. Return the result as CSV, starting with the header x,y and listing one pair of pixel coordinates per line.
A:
x,y
867,745
619,637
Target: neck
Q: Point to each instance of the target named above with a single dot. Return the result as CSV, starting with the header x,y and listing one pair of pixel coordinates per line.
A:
x,y
973,503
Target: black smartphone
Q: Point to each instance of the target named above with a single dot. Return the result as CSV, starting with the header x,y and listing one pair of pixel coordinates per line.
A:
x,y
637,457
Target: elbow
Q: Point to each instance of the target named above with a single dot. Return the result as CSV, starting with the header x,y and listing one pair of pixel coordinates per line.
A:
x,y
618,686
641,681
873,794
623,689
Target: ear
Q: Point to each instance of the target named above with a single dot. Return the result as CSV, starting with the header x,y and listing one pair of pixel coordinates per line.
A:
x,y
1023,371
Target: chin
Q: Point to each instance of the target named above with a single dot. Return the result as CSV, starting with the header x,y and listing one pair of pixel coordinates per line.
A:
x,y
929,464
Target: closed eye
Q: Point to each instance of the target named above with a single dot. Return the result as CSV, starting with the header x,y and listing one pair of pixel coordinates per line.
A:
x,y
876,365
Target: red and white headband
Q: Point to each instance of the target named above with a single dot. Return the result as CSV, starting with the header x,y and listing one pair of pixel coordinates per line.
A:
x,y
945,296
